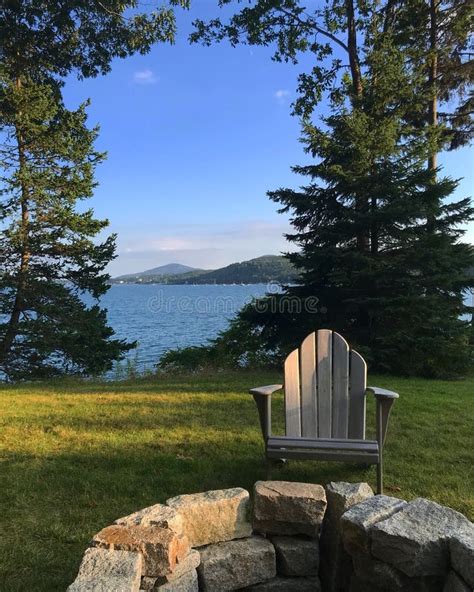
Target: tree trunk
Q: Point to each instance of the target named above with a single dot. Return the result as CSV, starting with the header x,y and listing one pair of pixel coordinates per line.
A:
x,y
374,233
353,51
432,75
19,301
361,202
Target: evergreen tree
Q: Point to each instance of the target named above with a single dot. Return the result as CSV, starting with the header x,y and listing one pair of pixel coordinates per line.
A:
x,y
50,256
400,301
379,242
47,39
437,34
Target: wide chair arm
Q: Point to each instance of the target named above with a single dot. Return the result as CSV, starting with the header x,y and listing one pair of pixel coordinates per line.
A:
x,y
262,396
266,390
381,393
384,401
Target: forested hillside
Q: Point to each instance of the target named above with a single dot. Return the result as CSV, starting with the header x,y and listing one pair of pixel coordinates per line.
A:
x,y
255,271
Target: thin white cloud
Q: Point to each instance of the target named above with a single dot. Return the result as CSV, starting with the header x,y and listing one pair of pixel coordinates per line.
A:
x,y
281,95
144,77
206,246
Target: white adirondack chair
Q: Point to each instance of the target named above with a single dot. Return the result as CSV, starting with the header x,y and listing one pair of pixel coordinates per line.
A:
x,y
325,405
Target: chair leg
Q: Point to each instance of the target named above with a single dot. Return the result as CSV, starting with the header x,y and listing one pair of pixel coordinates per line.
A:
x,y
271,463
380,437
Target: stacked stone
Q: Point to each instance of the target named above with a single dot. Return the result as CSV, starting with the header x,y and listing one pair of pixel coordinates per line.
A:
x,y
207,542
102,570
180,577
215,542
139,548
336,566
153,550
395,546
218,524
290,516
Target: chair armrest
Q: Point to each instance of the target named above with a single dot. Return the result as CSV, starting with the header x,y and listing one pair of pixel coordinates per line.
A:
x,y
381,393
263,399
266,390
384,400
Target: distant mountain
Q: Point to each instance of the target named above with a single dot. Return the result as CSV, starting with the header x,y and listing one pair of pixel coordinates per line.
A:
x,y
163,270
170,269
255,271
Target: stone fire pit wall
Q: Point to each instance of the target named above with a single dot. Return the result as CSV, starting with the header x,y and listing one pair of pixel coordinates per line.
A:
x,y
293,537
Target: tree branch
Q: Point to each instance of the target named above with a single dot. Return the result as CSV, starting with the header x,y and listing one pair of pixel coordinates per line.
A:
x,y
314,26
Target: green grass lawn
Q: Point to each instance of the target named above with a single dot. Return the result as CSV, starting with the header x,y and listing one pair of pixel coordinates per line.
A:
x,y
76,455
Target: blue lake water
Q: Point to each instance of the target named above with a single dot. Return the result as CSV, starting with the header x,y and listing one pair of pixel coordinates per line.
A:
x,y
162,317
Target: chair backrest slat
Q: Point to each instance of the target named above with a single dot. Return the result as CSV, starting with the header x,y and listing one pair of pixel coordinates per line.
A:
x,y
340,386
325,384
357,386
292,395
324,378
309,402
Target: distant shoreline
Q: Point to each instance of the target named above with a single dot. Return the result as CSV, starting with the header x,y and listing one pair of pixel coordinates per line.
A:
x,y
122,283
262,270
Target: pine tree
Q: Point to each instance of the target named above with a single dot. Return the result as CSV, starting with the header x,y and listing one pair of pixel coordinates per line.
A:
x,y
380,244
437,34
50,252
401,300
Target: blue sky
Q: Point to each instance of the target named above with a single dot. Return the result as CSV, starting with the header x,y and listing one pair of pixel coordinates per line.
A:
x,y
195,137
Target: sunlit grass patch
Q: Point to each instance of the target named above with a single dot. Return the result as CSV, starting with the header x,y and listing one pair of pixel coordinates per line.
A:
x,y
76,455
